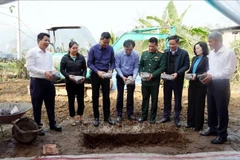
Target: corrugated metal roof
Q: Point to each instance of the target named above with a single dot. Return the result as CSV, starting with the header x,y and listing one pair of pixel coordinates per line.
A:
x,y
5,1
229,8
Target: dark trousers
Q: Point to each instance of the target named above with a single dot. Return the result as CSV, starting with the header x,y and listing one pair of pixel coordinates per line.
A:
x,y
43,90
74,89
196,105
176,86
105,84
130,101
218,96
148,91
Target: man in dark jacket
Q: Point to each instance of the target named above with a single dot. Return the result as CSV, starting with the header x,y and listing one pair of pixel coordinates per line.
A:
x,y
177,64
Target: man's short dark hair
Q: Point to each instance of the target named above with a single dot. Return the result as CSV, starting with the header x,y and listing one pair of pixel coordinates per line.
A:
x,y
129,43
41,35
153,40
174,37
105,35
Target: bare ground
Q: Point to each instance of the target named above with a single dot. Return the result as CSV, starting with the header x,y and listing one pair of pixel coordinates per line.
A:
x,y
130,137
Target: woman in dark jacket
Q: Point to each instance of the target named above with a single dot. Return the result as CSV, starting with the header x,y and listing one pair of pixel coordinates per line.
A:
x,y
74,64
197,91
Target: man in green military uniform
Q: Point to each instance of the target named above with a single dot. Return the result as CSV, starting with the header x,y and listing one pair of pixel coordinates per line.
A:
x,y
153,62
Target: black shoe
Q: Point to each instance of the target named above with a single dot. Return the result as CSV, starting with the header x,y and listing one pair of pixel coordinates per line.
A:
x,y
119,119
219,140
96,122
131,118
56,128
198,129
189,126
110,121
208,133
164,120
177,123
152,121
141,120
41,133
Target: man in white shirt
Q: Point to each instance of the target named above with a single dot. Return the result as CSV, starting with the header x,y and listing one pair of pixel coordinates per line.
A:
x,y
39,64
222,65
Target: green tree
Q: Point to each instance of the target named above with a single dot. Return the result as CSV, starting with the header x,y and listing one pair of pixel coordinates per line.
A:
x,y
235,45
113,38
170,17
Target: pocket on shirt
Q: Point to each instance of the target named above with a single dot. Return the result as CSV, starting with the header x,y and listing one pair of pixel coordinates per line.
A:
x,y
156,60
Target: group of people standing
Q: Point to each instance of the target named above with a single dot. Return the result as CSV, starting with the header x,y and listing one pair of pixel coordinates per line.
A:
x,y
218,68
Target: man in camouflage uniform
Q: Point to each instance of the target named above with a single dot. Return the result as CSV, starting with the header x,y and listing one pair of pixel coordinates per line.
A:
x,y
153,62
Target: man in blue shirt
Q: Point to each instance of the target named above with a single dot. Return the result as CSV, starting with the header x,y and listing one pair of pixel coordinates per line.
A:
x,y
127,64
101,60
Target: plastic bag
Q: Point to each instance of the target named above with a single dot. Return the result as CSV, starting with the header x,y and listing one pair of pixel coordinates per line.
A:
x,y
167,77
107,75
14,110
201,76
130,81
144,75
77,79
55,76
189,76
4,111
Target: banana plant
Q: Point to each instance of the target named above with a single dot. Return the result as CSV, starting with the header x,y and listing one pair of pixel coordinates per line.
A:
x,y
113,38
170,17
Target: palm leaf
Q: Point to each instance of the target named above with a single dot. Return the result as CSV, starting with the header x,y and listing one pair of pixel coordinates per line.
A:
x,y
183,14
172,13
145,45
156,19
165,14
144,23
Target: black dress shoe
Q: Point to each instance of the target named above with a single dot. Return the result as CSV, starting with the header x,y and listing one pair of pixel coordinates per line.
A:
x,y
41,133
56,128
177,123
141,120
110,121
119,119
189,126
208,133
197,129
219,140
131,118
96,122
152,121
164,120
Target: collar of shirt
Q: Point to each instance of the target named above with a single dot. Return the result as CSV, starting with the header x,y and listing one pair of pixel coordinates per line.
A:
x,y
173,52
40,50
100,47
125,54
156,52
199,57
221,50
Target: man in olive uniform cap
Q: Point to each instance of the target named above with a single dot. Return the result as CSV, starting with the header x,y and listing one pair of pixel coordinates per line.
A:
x,y
153,62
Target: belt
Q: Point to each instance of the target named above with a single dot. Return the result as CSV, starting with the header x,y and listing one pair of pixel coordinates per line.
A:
x,y
40,79
126,75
